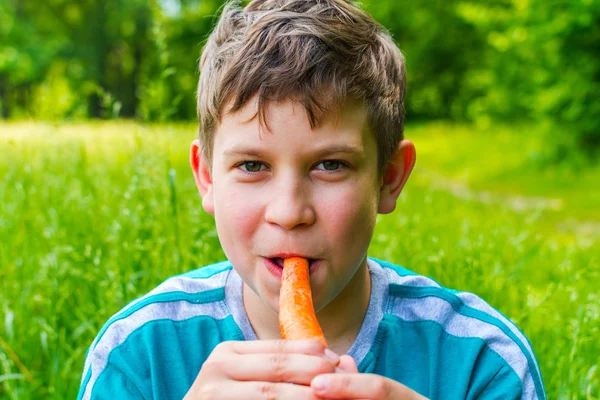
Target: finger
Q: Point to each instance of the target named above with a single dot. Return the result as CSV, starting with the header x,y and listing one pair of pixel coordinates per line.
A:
x,y
254,391
309,346
354,386
276,367
347,364
269,390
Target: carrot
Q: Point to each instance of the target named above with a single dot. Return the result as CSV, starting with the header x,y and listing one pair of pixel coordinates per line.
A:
x,y
297,319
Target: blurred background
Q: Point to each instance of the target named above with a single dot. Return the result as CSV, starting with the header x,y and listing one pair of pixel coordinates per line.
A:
x,y
98,204
482,61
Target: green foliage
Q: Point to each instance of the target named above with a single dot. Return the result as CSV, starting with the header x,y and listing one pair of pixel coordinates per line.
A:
x,y
95,215
490,61
541,63
440,49
55,99
180,37
483,61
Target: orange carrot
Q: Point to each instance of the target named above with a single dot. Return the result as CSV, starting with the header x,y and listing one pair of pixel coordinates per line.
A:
x,y
297,319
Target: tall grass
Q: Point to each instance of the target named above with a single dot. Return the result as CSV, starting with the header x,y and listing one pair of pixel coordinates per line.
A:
x,y
94,215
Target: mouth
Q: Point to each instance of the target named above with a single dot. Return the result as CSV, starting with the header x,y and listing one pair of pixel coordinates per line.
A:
x,y
278,262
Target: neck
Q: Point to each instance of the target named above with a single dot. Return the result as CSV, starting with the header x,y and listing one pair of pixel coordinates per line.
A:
x,y
340,320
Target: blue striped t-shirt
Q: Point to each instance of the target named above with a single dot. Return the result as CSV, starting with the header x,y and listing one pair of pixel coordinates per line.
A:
x,y
441,343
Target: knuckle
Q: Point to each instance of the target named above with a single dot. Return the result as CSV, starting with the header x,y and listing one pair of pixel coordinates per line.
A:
x,y
325,366
313,346
217,363
222,347
231,346
212,364
278,363
268,390
280,345
380,388
345,381
208,391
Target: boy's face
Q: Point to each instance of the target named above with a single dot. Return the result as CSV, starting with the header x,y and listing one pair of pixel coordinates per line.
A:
x,y
293,191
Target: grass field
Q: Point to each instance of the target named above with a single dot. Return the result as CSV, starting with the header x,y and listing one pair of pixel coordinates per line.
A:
x,y
93,215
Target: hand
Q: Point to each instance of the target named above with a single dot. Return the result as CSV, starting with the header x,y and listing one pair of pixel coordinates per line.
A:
x,y
354,385
262,369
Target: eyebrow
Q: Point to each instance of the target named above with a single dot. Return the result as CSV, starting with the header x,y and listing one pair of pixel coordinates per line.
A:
x,y
342,148
243,151
253,152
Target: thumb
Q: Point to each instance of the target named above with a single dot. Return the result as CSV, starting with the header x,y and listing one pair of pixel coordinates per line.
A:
x,y
347,364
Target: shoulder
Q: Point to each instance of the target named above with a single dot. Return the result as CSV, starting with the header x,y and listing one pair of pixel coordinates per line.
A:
x,y
192,293
463,316
180,302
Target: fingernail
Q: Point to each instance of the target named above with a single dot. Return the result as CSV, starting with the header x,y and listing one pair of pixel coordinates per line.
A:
x,y
320,383
332,356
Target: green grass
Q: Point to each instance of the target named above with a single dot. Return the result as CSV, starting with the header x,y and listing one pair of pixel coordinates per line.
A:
x,y
509,162
94,215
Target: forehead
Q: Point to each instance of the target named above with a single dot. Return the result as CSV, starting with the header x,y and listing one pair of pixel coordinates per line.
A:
x,y
345,122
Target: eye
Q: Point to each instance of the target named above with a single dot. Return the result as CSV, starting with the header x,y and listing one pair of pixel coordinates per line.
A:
x,y
330,165
252,166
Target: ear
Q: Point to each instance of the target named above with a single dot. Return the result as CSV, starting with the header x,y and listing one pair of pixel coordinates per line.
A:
x,y
202,175
395,175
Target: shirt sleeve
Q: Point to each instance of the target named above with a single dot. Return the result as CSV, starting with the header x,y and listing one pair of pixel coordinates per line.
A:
x,y
112,384
504,384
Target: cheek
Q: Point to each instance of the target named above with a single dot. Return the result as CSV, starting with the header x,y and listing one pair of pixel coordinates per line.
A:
x,y
350,215
236,217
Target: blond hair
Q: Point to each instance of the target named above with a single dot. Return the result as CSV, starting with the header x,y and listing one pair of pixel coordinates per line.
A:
x,y
320,53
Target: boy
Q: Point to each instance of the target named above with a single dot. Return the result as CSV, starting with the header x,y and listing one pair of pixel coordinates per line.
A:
x,y
300,146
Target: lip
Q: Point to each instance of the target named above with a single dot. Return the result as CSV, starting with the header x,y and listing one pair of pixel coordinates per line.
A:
x,y
273,268
289,255
277,271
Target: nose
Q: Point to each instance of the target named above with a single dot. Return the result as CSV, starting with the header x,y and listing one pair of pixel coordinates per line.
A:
x,y
290,204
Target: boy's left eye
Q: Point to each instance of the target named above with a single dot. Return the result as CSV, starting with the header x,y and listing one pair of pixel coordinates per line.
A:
x,y
329,165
